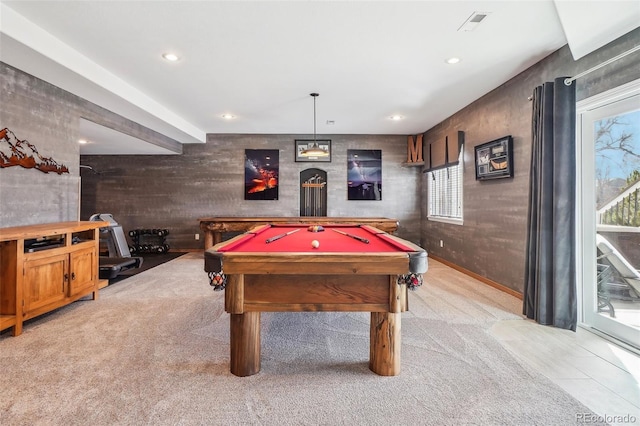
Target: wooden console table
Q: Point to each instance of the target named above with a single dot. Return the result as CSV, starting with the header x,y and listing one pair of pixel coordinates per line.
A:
x,y
214,227
44,267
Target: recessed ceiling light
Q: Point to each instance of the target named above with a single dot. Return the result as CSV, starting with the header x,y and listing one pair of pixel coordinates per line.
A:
x,y
228,116
83,141
171,57
452,60
396,117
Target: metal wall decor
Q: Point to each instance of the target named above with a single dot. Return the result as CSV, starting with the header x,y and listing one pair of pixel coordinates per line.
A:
x,y
24,154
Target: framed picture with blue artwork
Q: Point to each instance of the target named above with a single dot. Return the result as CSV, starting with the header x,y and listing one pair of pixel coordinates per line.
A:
x,y
364,174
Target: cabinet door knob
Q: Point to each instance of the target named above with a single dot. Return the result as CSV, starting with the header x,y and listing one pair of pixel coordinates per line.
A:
x,y
73,276
66,277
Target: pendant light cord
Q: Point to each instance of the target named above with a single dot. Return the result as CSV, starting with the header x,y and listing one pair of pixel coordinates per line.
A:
x,y
314,116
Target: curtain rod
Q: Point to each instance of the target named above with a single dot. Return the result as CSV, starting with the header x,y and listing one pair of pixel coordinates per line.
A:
x,y
568,81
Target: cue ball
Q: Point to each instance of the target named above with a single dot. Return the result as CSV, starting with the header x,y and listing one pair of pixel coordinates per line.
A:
x,y
315,243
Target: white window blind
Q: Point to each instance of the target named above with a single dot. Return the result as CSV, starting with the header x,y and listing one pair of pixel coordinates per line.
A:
x,y
445,192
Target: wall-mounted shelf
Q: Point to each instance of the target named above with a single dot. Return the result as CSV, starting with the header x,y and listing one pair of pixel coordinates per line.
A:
x,y
413,164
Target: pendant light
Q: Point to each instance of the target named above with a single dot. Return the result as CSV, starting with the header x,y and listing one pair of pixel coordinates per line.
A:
x,y
314,150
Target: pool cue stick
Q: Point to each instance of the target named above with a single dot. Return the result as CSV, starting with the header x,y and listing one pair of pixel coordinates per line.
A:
x,y
311,179
312,195
319,207
364,240
315,200
306,197
321,198
277,237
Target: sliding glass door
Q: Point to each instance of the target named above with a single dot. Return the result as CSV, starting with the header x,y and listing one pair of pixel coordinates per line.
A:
x,y
609,181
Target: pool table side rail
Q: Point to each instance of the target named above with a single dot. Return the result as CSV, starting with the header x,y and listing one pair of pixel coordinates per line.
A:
x,y
315,263
305,293
235,224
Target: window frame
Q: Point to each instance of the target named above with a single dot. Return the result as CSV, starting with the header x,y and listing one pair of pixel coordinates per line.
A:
x,y
459,168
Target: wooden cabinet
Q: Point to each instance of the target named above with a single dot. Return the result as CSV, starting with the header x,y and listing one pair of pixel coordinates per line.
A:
x,y
44,267
81,271
44,282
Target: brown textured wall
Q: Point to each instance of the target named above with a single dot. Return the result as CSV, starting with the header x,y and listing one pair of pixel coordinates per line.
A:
x,y
492,240
174,191
48,117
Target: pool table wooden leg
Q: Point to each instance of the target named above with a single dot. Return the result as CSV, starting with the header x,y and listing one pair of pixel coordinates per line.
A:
x,y
385,342
245,343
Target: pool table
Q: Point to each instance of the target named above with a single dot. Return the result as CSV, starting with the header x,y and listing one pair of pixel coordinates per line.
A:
x,y
213,228
275,268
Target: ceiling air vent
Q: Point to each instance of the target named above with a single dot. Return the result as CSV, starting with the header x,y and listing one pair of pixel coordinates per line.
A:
x,y
473,21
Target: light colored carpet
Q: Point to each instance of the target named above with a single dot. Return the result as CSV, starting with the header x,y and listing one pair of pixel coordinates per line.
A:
x,y
154,349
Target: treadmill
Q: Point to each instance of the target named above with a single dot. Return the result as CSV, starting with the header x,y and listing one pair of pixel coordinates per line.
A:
x,y
119,258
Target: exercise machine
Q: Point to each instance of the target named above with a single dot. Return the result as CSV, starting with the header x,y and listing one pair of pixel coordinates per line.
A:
x,y
119,258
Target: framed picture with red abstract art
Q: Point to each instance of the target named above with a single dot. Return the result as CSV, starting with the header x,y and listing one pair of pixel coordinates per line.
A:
x,y
261,174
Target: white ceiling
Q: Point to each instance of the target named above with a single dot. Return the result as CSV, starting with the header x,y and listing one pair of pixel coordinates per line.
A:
x,y
260,60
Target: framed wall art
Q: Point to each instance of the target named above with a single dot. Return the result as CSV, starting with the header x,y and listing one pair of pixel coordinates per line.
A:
x,y
261,174
364,174
494,160
313,150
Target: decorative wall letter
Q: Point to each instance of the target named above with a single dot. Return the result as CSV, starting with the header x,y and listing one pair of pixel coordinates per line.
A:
x,y
414,149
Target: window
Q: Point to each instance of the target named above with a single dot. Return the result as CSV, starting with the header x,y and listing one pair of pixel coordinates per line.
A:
x,y
445,193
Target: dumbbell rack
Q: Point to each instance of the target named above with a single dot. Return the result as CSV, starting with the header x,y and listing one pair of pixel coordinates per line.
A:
x,y
149,241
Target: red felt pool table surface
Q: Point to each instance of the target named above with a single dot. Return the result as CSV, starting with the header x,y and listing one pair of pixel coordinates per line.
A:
x,y
329,240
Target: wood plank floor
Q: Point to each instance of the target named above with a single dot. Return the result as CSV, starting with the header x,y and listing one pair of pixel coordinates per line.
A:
x,y
599,373
602,375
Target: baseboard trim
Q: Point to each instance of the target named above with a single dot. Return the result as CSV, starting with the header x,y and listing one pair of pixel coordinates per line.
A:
x,y
480,278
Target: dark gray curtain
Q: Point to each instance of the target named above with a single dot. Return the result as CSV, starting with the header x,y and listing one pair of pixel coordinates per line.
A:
x,y
550,270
